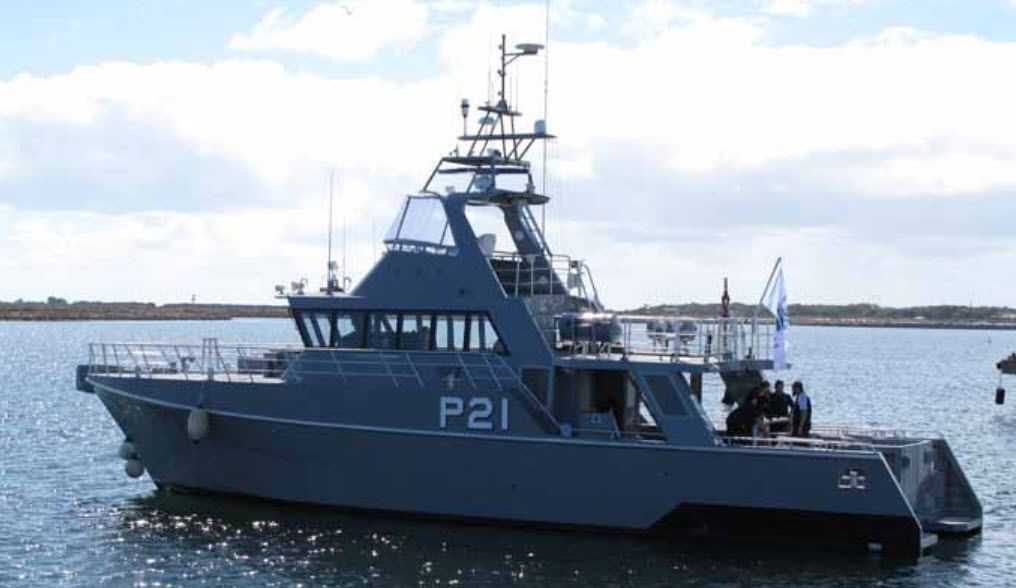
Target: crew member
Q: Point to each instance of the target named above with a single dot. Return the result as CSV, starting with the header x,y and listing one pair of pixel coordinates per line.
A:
x,y
780,407
741,420
802,410
763,398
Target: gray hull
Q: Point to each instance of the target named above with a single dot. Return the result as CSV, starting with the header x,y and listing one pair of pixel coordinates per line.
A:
x,y
722,493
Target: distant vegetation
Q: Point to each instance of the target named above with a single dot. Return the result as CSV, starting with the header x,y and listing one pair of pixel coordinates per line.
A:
x,y
58,309
856,314
942,316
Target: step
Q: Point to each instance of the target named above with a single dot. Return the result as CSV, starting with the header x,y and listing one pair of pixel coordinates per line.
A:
x,y
954,525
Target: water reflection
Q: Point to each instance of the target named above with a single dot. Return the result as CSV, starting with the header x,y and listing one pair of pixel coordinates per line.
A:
x,y
227,539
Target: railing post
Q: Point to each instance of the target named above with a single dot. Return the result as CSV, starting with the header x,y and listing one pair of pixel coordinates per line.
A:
x,y
518,274
465,369
183,365
532,274
416,372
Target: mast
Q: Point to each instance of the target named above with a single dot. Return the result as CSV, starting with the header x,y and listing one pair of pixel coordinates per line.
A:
x,y
496,147
332,281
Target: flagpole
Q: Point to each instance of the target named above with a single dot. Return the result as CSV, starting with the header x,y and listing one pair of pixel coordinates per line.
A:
x,y
761,299
769,283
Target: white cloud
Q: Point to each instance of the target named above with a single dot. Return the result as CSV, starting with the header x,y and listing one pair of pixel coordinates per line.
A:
x,y
275,122
727,152
805,8
354,30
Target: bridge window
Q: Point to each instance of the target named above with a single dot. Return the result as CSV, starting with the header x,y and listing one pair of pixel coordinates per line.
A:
x,y
316,328
410,331
421,225
382,331
415,333
348,331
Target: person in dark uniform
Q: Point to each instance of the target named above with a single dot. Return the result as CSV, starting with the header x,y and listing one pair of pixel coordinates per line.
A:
x,y
741,420
780,407
763,398
802,411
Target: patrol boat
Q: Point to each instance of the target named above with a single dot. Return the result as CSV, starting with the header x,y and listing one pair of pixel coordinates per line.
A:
x,y
462,382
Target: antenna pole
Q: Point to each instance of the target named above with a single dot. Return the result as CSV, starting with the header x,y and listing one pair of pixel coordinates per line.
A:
x,y
546,77
504,66
343,247
331,193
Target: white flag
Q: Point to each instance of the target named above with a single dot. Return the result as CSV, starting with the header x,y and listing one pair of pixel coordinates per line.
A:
x,y
775,302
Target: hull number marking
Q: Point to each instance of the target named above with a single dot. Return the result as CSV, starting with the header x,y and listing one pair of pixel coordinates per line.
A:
x,y
853,480
478,412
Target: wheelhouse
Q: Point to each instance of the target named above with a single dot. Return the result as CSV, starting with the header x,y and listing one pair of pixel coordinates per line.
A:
x,y
404,330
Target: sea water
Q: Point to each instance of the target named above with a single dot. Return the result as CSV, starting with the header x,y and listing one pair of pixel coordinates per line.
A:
x,y
69,515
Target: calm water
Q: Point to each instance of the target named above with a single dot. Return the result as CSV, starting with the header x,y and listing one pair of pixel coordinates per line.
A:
x,y
69,516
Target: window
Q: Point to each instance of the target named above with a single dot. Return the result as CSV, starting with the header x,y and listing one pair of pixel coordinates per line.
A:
x,y
474,328
421,223
458,326
381,331
450,332
410,331
348,330
415,335
442,333
489,339
329,328
316,327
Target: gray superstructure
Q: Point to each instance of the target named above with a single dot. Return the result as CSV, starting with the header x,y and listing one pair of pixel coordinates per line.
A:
x,y
458,381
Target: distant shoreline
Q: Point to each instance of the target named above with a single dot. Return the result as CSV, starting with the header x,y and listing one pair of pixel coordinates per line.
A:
x,y
140,311
135,311
910,324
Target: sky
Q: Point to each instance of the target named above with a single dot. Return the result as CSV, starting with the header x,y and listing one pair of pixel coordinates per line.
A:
x,y
158,150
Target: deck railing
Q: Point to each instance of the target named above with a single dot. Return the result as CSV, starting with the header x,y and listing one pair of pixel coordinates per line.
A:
x,y
212,361
529,275
874,434
241,362
782,442
838,438
677,338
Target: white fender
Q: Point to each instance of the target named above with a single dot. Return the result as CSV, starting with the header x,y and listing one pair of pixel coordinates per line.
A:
x,y
127,450
134,468
197,424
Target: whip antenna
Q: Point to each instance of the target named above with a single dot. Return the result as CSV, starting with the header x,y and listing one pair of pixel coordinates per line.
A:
x,y
546,78
332,281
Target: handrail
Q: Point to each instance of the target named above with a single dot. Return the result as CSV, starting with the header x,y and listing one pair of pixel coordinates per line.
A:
x,y
807,443
720,339
564,276
875,433
275,363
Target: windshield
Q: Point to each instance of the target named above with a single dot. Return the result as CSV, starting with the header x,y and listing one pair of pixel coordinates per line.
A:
x,y
421,223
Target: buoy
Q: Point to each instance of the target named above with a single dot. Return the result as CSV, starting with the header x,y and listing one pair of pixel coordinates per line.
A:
x,y
134,468
197,424
127,450
1000,395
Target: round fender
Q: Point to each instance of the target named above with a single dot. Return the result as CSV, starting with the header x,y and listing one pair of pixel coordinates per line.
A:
x,y
127,450
134,468
197,424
